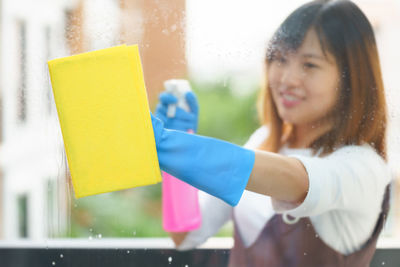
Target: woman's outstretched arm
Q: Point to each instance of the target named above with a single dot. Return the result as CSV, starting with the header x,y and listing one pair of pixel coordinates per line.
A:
x,y
281,177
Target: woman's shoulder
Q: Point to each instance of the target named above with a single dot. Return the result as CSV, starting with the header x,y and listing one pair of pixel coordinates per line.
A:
x,y
363,155
257,137
364,152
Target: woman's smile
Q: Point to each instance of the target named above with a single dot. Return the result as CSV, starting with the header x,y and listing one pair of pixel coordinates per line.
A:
x,y
290,100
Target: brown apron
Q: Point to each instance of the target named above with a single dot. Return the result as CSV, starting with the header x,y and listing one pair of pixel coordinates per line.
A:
x,y
286,245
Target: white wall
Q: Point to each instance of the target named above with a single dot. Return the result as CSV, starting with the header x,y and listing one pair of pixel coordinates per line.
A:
x,y
31,151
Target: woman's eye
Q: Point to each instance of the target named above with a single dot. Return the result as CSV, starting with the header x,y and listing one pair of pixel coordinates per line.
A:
x,y
310,65
280,60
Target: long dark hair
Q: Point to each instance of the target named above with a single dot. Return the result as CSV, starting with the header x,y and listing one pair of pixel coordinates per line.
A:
x,y
360,112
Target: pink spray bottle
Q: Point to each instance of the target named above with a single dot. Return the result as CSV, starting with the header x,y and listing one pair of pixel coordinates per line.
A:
x,y
180,205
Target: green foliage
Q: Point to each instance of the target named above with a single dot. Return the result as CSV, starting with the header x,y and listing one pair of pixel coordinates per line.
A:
x,y
137,212
224,115
130,213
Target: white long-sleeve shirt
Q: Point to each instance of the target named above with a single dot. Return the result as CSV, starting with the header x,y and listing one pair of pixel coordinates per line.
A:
x,y
344,199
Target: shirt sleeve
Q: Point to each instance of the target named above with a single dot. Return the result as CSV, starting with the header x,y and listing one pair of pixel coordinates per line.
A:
x,y
350,179
257,137
214,214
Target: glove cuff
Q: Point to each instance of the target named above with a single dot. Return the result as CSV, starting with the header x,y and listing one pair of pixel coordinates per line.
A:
x,y
217,167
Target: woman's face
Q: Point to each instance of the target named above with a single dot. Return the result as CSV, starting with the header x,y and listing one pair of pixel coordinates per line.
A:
x,y
304,84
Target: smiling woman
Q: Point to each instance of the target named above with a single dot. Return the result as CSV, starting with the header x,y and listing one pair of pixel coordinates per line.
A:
x,y
304,86
313,196
314,171
331,59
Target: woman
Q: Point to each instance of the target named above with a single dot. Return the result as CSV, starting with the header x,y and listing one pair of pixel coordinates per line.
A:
x,y
315,174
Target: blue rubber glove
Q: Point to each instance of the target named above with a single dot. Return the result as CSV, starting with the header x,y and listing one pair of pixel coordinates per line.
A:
x,y
217,167
183,120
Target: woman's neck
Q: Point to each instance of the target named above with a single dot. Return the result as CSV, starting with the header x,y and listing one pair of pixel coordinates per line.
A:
x,y
304,135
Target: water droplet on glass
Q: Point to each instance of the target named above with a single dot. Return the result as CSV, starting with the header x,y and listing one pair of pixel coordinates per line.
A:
x,y
99,236
305,254
61,256
173,28
128,252
169,259
316,236
90,230
90,237
53,263
383,263
134,232
186,265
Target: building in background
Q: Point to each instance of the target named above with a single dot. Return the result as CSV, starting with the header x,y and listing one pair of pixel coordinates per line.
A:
x,y
158,27
31,150
35,188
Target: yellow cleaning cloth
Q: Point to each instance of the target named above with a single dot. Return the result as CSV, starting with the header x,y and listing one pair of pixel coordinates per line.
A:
x,y
105,120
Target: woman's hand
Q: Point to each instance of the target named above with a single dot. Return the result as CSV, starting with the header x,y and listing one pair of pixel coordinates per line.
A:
x,y
183,120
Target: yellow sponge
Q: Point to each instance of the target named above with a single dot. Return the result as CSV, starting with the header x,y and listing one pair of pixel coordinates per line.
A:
x,y
105,120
